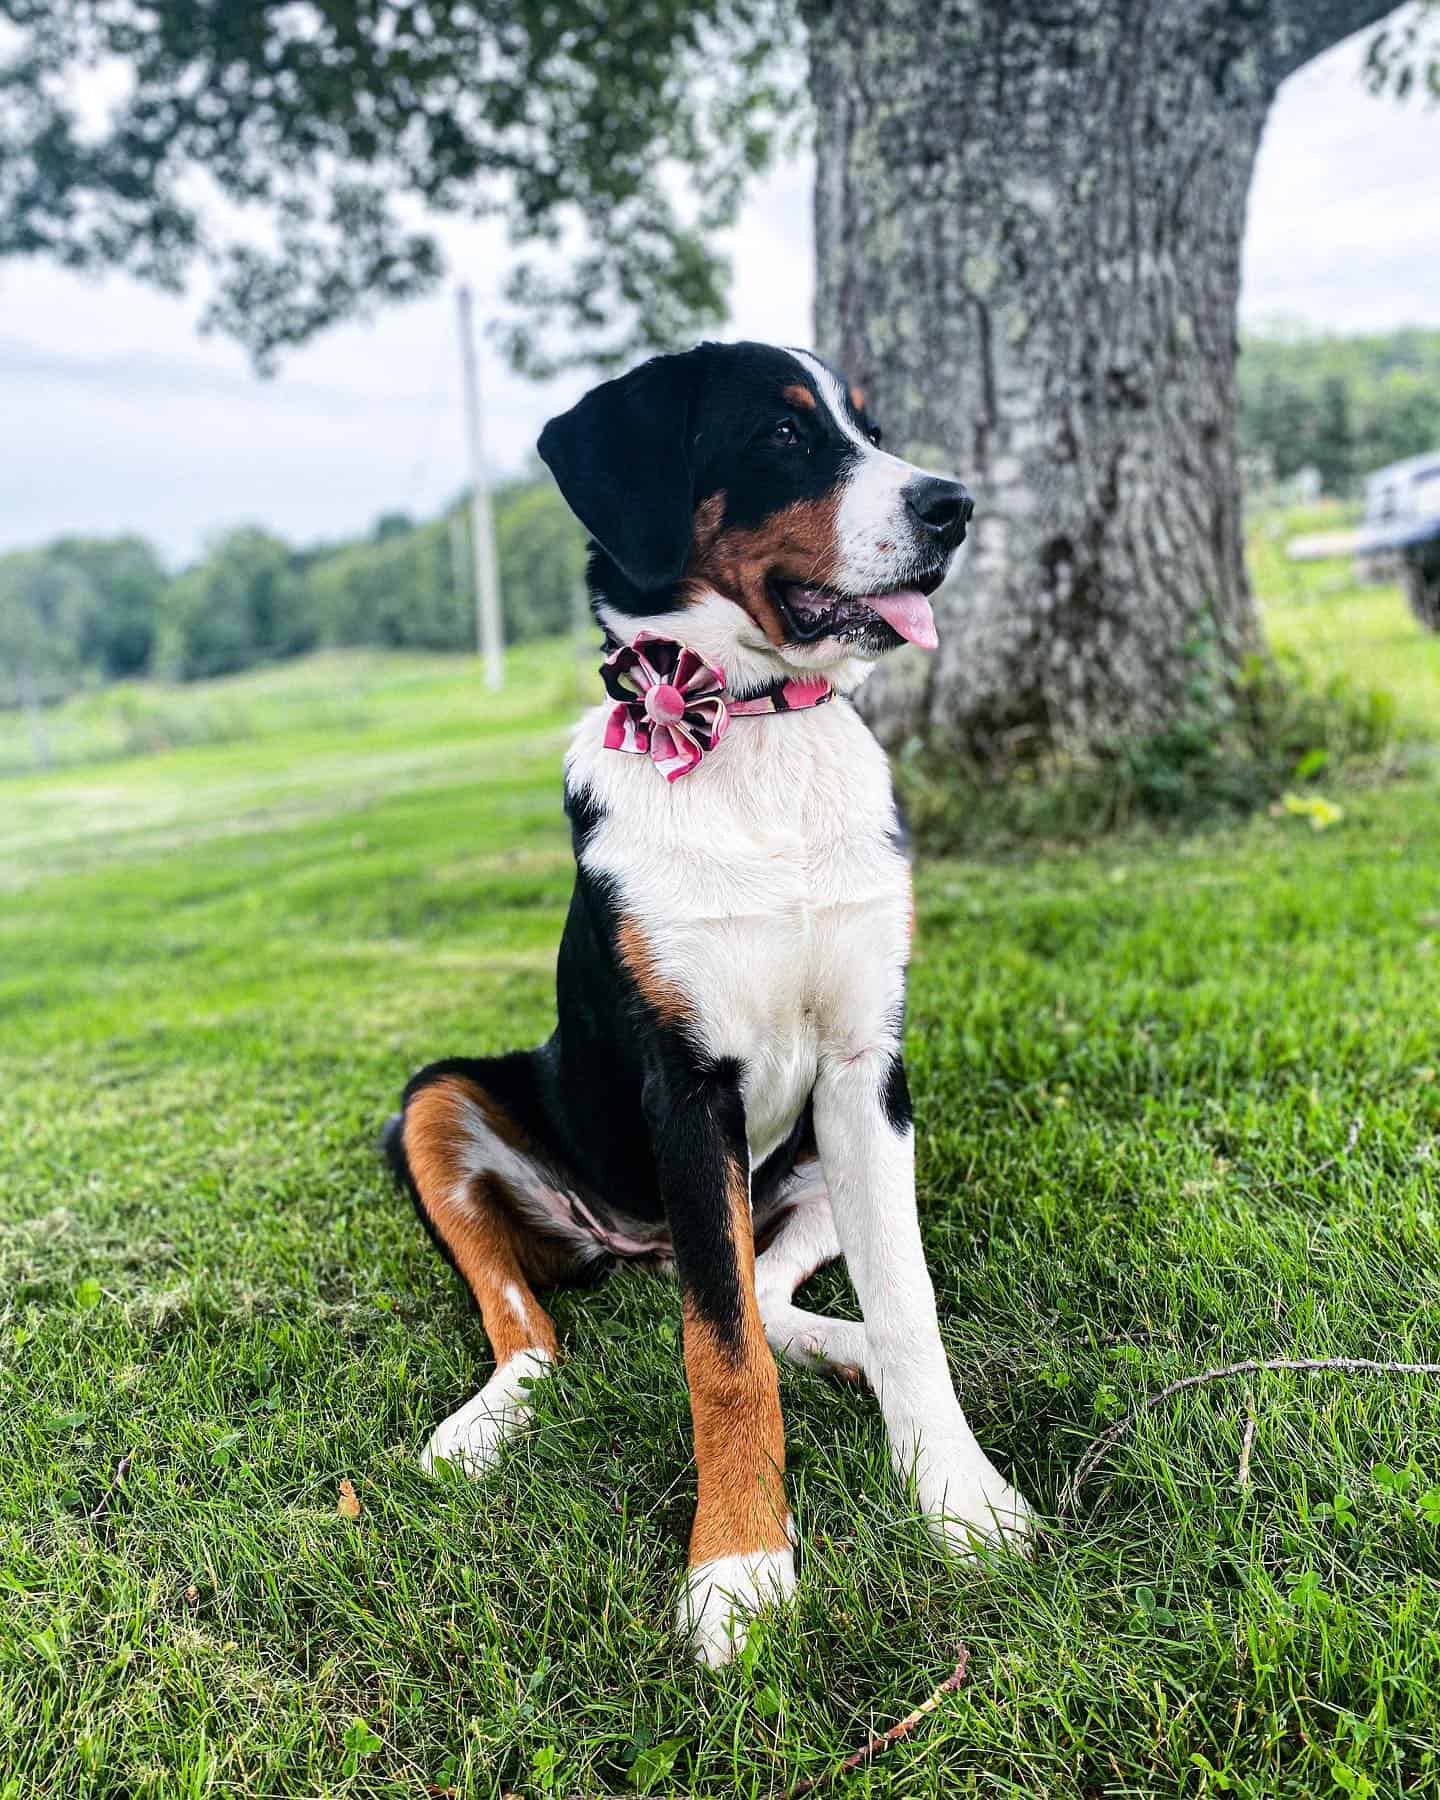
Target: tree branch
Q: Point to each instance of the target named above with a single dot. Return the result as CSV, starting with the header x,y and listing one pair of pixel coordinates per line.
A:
x,y
1304,28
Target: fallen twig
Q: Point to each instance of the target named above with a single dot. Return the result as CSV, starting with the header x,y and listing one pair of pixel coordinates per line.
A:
x,y
122,1469
882,1741
1107,1440
1351,1140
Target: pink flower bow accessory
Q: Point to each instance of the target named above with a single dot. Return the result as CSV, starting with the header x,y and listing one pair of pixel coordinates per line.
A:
x,y
668,703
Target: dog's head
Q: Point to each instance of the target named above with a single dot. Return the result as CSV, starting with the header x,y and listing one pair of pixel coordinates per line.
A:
x,y
739,499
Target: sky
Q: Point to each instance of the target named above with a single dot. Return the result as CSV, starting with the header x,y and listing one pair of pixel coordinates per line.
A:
x,y
118,416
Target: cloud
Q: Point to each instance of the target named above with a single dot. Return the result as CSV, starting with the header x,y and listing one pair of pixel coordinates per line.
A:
x,y
1344,223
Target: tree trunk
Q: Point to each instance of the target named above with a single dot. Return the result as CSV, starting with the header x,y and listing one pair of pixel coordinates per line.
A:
x,y
1029,218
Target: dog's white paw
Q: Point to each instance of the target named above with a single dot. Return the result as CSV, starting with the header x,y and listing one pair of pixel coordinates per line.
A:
x,y
721,1596
968,1504
471,1438
814,1341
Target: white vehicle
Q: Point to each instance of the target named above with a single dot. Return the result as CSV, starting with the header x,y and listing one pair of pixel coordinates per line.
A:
x,y
1402,519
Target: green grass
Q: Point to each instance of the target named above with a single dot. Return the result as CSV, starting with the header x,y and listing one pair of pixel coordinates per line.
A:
x,y
1136,1072
1339,626
331,695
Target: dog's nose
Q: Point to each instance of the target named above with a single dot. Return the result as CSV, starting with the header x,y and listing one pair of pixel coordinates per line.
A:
x,y
942,508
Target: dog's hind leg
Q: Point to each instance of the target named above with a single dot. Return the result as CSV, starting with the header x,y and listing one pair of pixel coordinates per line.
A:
x,y
805,1241
468,1165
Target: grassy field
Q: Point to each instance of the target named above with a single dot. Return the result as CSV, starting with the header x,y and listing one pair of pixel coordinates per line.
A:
x,y
1337,625
1178,1104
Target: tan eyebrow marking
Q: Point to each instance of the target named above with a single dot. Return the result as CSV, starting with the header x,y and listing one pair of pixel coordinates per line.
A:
x,y
799,395
857,398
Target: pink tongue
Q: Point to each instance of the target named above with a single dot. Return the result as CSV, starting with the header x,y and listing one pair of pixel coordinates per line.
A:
x,y
909,612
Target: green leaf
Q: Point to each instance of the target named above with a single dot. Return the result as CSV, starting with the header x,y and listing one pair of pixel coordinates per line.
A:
x,y
1351,1781
754,1649
1308,1593
768,1701
1391,1481
359,1741
545,1767
654,1764
89,1294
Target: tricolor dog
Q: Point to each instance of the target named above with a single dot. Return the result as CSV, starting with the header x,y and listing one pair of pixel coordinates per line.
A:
x,y
724,1087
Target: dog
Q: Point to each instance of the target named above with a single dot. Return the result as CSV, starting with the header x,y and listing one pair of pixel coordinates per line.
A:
x,y
724,1090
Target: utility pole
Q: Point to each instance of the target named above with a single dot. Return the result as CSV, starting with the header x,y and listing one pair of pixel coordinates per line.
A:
x,y
482,528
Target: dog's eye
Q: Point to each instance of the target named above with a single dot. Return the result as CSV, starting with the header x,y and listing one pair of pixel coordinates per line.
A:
x,y
874,435
784,433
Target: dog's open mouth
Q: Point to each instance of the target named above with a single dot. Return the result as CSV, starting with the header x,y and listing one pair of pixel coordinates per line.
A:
x,y
884,618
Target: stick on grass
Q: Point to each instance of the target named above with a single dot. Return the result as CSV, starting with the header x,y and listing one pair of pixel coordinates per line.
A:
x,y
102,1505
877,1745
1347,1365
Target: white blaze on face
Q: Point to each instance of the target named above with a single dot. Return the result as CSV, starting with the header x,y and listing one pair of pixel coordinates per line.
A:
x,y
878,545
876,541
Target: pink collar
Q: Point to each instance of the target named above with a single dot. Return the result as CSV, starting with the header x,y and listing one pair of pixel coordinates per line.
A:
x,y
670,703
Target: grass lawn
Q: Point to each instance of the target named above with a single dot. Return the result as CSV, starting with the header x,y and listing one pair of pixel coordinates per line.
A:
x,y
1339,626
1177,1105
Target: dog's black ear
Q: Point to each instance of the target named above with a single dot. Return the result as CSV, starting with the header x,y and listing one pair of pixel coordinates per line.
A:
x,y
621,459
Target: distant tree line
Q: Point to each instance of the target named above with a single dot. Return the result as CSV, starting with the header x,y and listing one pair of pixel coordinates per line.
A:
x,y
83,611
1342,405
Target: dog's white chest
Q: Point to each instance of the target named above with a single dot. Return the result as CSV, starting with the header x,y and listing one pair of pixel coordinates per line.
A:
x,y
768,890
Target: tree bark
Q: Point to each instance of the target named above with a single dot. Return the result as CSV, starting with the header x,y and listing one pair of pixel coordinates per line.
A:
x,y
1029,219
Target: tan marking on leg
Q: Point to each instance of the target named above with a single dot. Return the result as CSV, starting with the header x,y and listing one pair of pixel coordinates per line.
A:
x,y
471,1218
735,1407
663,998
799,395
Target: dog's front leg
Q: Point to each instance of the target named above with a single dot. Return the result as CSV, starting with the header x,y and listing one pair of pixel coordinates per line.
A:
x,y
740,1553
867,1148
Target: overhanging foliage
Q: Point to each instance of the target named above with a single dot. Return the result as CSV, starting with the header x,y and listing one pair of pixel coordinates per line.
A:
x,y
301,152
